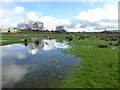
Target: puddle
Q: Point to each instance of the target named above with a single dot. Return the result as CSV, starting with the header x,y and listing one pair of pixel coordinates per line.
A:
x,y
39,64
3,40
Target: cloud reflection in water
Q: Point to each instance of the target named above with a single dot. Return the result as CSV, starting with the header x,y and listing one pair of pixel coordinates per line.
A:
x,y
46,45
12,73
17,72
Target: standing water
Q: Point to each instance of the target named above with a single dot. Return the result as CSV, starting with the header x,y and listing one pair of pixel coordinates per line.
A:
x,y
39,64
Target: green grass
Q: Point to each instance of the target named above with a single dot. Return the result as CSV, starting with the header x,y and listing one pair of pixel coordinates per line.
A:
x,y
98,67
16,37
54,60
11,42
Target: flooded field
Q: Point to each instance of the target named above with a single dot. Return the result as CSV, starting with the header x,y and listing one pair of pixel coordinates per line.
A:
x,y
52,60
37,64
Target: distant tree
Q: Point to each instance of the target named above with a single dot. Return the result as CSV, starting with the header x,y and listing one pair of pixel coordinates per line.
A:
x,y
31,25
39,26
106,31
46,30
60,29
20,26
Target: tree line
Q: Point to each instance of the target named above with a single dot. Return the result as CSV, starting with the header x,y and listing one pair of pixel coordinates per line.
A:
x,y
36,25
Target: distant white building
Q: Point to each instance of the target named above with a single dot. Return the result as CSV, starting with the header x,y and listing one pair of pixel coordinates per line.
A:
x,y
6,30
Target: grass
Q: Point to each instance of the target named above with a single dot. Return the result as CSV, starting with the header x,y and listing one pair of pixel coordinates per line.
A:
x,y
54,60
98,67
16,37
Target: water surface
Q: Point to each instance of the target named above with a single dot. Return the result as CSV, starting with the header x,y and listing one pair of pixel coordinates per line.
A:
x,y
39,64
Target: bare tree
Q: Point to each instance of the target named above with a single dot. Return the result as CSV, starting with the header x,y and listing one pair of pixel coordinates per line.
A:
x,y
31,25
38,26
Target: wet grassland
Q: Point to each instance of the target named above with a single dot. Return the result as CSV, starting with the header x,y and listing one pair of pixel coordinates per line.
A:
x,y
98,67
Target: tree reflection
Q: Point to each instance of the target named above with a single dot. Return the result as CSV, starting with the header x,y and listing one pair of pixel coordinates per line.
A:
x,y
35,45
37,42
45,45
26,44
59,41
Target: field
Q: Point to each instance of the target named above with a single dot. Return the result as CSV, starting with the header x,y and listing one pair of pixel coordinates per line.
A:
x,y
99,53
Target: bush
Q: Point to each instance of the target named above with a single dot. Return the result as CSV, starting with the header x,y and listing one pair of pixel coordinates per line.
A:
x,y
109,38
102,46
110,43
25,40
69,38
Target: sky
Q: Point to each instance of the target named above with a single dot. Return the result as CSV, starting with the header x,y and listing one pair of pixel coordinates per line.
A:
x,y
74,16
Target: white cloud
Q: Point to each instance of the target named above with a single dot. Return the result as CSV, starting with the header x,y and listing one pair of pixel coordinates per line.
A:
x,y
10,21
19,9
1,11
16,10
9,17
32,16
90,20
100,18
4,11
51,22
109,11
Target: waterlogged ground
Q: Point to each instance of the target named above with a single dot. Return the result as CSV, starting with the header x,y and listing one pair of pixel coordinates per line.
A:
x,y
38,64
50,63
